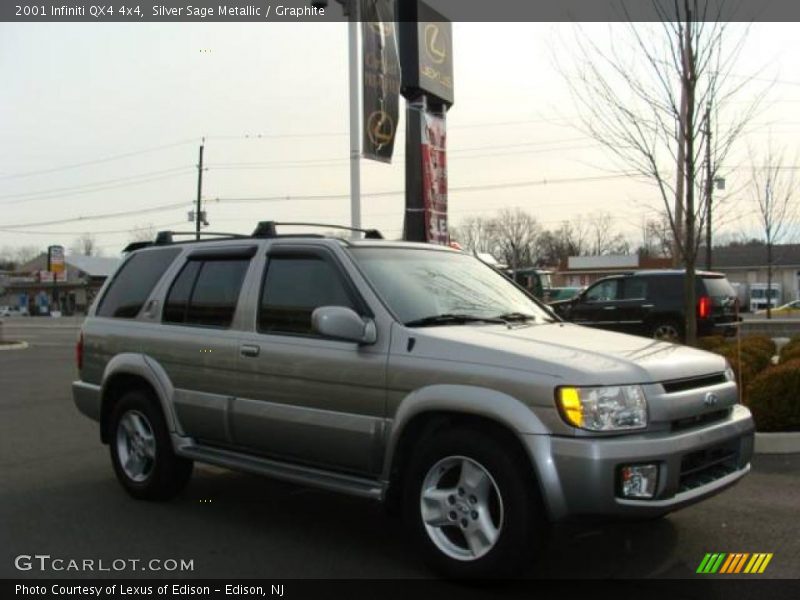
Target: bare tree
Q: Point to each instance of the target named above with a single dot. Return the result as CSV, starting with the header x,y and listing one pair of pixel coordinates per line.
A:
x,y
143,233
476,234
24,254
773,189
655,98
657,237
517,234
603,239
85,245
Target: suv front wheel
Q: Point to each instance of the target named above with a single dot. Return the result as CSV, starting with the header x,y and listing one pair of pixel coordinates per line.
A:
x,y
141,450
471,506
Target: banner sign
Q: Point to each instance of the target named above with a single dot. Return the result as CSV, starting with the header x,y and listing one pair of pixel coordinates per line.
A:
x,y
381,79
427,60
55,259
434,177
51,276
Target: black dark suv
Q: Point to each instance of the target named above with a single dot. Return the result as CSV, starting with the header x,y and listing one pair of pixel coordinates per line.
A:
x,y
651,303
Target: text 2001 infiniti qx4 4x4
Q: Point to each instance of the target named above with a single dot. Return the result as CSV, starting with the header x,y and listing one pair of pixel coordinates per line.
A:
x,y
408,373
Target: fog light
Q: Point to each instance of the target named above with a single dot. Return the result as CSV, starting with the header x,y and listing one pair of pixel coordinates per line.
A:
x,y
639,481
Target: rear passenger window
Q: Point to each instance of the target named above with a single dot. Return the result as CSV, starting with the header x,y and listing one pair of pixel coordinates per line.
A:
x,y
205,293
635,289
133,283
293,288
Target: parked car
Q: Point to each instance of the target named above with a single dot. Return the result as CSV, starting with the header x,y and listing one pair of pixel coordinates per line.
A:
x,y
407,373
651,303
5,311
790,309
557,294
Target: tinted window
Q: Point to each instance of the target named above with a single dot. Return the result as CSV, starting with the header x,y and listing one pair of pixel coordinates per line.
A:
x,y
133,283
293,288
717,287
635,288
206,293
603,291
178,299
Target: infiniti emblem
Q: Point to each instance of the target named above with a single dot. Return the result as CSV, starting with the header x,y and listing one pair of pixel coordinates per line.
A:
x,y
711,399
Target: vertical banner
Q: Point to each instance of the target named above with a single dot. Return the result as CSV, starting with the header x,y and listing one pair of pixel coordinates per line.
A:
x,y
381,79
434,177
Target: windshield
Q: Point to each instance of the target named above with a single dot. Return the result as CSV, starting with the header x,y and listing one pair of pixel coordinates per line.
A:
x,y
417,284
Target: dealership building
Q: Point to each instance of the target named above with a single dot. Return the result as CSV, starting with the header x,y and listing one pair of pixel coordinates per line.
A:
x,y
32,287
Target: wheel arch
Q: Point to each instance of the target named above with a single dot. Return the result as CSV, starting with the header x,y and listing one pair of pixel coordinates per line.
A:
x,y
426,411
134,371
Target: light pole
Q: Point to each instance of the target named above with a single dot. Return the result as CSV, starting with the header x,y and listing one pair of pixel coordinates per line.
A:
x,y
350,9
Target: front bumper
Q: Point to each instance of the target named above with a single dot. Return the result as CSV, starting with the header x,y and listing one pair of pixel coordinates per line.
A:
x,y
579,476
87,398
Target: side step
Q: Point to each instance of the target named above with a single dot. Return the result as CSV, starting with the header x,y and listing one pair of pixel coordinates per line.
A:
x,y
327,480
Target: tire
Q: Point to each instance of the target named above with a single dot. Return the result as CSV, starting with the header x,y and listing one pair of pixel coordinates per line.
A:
x,y
667,330
484,496
141,450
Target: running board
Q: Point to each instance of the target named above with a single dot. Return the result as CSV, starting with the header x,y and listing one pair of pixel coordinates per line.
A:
x,y
326,480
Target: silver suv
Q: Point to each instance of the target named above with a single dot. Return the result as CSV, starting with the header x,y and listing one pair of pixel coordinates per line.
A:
x,y
406,373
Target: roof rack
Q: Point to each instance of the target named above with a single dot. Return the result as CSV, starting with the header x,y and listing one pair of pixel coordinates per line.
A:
x,y
267,229
166,237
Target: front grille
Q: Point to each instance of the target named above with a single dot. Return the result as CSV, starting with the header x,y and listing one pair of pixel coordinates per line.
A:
x,y
705,466
693,383
700,420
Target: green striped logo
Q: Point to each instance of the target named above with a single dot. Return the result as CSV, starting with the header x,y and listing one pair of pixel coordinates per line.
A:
x,y
733,563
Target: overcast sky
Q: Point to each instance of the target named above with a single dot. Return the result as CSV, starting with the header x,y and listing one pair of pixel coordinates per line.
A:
x,y
88,93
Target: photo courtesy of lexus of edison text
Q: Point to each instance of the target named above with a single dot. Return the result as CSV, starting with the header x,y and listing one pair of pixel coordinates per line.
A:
x,y
381,298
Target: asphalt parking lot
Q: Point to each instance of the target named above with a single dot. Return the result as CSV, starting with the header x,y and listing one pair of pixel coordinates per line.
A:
x,y
59,497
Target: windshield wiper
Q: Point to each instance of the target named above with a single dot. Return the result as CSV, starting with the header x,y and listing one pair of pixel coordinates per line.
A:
x,y
452,319
516,316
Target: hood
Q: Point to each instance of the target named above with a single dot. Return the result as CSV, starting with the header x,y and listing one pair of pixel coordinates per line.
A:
x,y
576,354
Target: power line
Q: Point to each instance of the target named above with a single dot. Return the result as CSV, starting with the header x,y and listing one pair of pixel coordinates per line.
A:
x,y
92,186
97,160
139,211
468,188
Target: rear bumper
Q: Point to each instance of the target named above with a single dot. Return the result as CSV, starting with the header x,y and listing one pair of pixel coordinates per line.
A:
x,y
579,476
725,329
87,398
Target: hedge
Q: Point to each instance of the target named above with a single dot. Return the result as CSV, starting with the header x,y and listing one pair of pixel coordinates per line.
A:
x,y
791,350
773,396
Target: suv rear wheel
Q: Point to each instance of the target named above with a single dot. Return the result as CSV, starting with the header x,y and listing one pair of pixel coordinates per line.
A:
x,y
471,506
667,331
141,450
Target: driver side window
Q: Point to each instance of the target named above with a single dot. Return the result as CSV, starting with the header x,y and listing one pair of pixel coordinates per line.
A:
x,y
603,291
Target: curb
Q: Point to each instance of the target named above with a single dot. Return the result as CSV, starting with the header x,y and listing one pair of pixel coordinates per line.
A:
x,y
777,443
14,346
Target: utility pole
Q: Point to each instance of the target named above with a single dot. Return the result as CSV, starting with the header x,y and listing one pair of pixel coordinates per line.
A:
x,y
197,213
709,187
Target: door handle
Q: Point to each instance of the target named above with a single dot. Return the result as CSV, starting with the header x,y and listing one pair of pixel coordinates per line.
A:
x,y
609,308
249,350
648,305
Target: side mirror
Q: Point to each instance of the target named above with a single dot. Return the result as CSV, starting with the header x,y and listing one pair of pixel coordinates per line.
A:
x,y
343,323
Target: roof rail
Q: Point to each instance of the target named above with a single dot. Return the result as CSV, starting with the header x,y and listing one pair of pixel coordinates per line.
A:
x,y
267,229
136,246
166,237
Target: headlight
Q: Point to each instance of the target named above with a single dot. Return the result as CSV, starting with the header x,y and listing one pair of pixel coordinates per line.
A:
x,y
730,375
611,408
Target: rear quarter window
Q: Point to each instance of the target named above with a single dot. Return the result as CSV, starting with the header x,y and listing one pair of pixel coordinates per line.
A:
x,y
133,282
718,287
